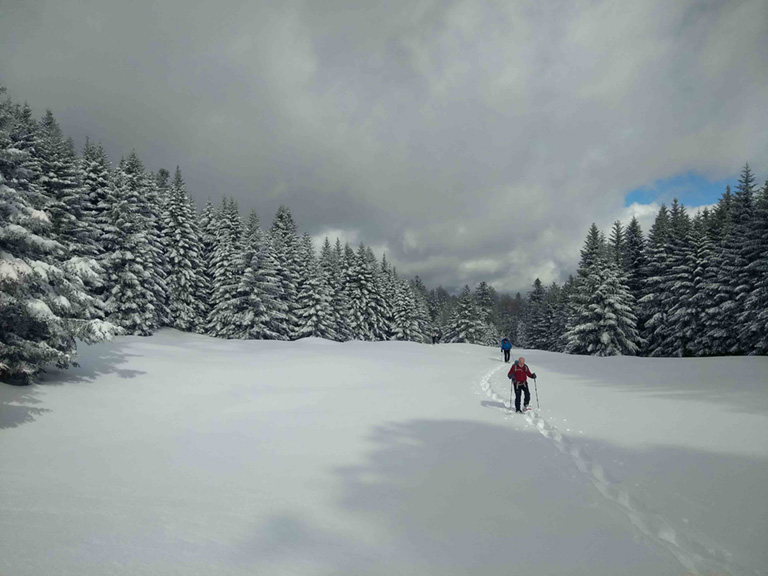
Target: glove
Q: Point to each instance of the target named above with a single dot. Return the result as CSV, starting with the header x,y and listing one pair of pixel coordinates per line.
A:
x,y
533,375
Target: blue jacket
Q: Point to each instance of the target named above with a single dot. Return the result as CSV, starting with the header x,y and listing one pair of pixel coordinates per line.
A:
x,y
506,344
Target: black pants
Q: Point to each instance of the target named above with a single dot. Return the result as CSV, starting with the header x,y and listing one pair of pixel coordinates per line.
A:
x,y
506,355
519,389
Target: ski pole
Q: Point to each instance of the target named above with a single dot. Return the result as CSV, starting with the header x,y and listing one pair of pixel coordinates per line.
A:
x,y
535,387
511,388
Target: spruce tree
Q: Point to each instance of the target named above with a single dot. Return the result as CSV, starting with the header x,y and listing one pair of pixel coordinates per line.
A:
x,y
465,324
267,304
313,308
560,301
744,246
186,283
704,282
130,300
285,242
634,263
652,314
538,317
602,322
405,324
59,181
208,225
420,294
43,308
732,285
675,337
617,244
754,319
226,272
95,179
331,267
354,296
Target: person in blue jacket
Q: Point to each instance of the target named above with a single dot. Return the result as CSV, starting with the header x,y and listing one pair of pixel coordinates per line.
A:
x,y
506,346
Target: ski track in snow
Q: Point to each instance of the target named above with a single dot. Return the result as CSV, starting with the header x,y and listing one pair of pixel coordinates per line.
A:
x,y
698,560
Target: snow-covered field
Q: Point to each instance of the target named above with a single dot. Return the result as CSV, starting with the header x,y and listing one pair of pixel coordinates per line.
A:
x,y
182,454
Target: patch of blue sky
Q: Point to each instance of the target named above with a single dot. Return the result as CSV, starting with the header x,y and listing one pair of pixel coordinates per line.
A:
x,y
691,189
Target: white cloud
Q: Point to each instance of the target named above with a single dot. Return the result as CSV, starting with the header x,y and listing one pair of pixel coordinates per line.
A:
x,y
471,140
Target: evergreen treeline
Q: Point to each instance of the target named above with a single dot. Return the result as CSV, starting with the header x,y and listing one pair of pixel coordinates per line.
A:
x,y
694,286
89,250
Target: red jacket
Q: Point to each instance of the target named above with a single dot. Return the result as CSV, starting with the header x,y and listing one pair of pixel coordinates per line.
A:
x,y
519,373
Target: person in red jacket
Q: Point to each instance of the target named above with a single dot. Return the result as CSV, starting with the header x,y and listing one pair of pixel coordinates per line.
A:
x,y
519,375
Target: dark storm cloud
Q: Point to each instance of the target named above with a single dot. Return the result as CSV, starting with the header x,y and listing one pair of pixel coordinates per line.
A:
x,y
470,140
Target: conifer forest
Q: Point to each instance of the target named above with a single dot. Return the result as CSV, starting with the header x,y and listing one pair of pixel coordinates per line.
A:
x,y
91,249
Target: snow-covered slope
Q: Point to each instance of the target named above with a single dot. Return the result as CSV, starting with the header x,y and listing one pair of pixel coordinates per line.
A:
x,y
181,454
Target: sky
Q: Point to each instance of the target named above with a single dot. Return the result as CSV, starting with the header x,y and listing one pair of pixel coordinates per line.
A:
x,y
468,140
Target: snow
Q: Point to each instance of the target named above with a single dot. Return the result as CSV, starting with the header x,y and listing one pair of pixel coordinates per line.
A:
x,y
183,454
12,268
39,215
39,309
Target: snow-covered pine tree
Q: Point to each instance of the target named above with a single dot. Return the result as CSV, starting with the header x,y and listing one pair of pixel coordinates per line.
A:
x,y
285,242
538,317
313,304
267,308
330,269
420,295
676,336
367,317
634,263
226,270
560,300
95,181
354,296
73,225
23,133
486,298
754,319
602,322
59,181
440,307
152,208
747,244
387,280
405,324
247,305
651,312
186,280
130,301
704,280
43,308
511,311
733,281
465,324
551,305
208,225
617,244
715,324
378,312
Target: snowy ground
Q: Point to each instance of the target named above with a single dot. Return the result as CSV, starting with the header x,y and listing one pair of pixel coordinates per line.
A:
x,y
182,454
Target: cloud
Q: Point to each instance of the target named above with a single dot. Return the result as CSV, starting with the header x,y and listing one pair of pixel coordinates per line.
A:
x,y
471,140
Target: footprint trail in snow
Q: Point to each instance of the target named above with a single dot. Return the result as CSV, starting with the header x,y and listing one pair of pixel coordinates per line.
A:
x,y
698,559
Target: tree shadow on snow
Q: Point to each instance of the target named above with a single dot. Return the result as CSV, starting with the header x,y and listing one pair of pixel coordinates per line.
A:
x,y
17,403
94,361
455,497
